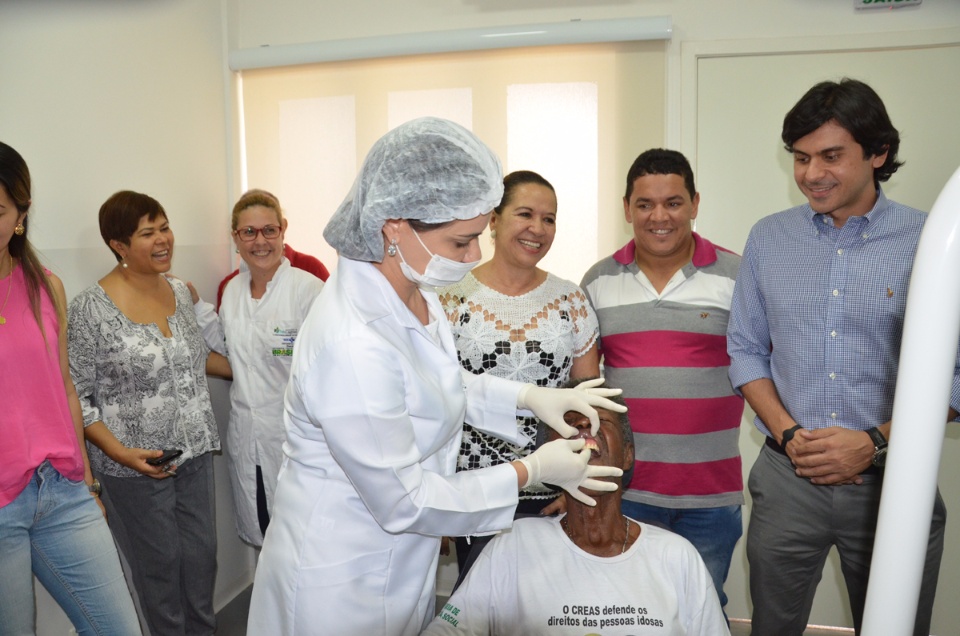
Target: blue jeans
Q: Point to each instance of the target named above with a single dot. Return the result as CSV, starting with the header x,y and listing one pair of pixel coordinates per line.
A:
x,y
55,530
714,532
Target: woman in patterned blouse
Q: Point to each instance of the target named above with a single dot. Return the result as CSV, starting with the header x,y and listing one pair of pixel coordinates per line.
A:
x,y
139,364
514,320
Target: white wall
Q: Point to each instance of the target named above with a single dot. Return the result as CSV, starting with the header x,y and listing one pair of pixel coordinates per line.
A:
x,y
101,95
278,22
294,21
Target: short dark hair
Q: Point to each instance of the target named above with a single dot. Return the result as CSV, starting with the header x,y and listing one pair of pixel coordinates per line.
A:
x,y
516,179
626,431
661,161
857,108
120,216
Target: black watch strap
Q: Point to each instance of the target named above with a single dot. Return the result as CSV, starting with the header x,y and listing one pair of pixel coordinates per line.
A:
x,y
788,435
879,441
879,447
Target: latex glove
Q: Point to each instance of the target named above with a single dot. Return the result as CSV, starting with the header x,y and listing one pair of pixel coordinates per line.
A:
x,y
550,405
564,463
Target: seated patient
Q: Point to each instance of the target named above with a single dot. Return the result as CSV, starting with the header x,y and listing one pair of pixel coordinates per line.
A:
x,y
590,571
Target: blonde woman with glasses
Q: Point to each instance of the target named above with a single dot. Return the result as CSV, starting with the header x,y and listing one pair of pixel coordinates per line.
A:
x,y
260,315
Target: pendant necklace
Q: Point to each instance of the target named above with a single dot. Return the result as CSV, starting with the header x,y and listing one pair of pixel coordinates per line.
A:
x,y
3,320
566,528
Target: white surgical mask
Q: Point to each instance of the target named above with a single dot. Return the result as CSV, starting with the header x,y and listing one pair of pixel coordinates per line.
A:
x,y
439,271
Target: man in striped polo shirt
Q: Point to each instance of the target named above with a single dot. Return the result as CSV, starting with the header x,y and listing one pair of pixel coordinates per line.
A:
x,y
663,301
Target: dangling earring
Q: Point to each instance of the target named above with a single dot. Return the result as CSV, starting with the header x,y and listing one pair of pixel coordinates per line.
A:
x,y
493,236
237,250
19,230
392,248
123,264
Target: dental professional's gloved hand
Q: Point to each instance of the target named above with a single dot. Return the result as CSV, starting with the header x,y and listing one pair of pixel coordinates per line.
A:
x,y
564,463
550,405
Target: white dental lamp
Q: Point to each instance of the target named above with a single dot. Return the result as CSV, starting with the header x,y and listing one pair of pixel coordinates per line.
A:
x,y
927,357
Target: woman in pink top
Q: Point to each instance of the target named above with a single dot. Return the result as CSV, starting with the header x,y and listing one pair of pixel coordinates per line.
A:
x,y
50,522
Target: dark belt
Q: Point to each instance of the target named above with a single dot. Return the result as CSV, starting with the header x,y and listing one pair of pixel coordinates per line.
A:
x,y
772,445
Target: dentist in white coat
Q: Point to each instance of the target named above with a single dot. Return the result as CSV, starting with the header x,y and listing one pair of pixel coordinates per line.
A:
x,y
376,403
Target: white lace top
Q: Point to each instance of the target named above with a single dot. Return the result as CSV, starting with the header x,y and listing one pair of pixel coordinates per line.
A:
x,y
531,338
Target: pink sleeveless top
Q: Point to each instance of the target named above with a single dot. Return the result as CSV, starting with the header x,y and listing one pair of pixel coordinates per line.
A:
x,y
35,421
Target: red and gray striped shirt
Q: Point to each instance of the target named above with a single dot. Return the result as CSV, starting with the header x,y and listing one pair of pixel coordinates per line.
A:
x,y
668,352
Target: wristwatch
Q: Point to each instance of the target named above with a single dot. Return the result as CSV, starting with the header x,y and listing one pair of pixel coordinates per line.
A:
x,y
788,435
95,488
879,447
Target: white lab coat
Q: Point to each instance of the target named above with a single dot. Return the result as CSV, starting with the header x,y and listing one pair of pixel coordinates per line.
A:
x,y
374,414
259,338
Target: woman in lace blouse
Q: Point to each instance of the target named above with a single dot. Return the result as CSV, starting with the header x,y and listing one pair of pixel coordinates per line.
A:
x,y
139,364
513,320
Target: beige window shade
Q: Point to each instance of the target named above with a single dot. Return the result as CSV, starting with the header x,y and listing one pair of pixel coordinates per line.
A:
x,y
307,128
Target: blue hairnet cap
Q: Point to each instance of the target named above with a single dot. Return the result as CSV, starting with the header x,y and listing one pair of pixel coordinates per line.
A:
x,y
428,169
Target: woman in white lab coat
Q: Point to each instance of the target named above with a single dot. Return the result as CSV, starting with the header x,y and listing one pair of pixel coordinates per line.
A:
x,y
377,399
260,315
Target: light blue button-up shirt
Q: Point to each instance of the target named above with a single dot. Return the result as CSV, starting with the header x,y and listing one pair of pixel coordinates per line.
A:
x,y
819,310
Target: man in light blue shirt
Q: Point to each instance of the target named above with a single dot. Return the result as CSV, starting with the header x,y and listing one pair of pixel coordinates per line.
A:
x,y
814,340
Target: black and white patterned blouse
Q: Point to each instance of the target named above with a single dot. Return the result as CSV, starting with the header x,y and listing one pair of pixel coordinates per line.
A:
x,y
531,338
149,390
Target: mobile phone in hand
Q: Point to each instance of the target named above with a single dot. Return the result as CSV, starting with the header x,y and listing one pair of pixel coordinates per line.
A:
x,y
168,456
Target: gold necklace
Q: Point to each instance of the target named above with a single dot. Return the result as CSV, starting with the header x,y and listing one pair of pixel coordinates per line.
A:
x,y
3,320
626,520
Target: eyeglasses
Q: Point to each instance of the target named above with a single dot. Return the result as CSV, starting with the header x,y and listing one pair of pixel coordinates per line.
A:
x,y
249,233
